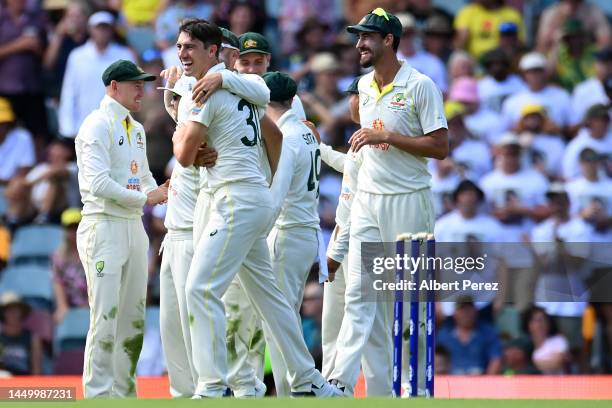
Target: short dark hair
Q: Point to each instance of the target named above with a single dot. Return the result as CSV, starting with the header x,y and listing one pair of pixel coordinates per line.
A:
x,y
396,41
204,31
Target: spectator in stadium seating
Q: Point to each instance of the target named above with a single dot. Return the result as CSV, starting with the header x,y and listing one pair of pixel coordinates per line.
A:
x,y
5,246
595,134
482,122
592,91
560,246
69,283
516,196
437,37
444,179
169,18
139,16
473,346
54,183
302,22
70,32
591,193
471,156
22,41
554,17
469,223
551,349
325,96
354,10
419,59
477,25
82,89
543,146
539,91
425,12
516,357
16,147
460,64
499,82
240,15
572,59
311,40
510,42
20,350
441,361
311,312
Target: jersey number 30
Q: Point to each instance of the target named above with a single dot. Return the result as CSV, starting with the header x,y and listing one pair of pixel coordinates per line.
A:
x,y
252,121
315,171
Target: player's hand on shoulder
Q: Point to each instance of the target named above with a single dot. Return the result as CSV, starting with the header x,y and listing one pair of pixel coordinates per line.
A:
x,y
159,195
313,129
171,75
206,157
206,86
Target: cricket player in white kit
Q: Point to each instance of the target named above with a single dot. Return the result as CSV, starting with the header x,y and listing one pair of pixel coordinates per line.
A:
x,y
402,123
179,221
337,260
295,240
235,235
115,183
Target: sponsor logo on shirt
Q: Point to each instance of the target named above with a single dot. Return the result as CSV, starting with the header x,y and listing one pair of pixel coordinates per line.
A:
x,y
398,102
139,141
365,100
196,110
378,124
133,182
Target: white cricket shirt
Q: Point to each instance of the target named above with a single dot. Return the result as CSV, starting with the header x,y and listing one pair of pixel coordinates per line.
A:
x,y
295,186
411,106
114,175
234,132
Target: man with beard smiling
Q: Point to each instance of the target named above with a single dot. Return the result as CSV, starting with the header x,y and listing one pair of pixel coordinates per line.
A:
x,y
402,123
235,235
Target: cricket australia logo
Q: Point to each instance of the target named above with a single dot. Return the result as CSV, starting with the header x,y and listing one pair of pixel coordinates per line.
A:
x,y
139,141
100,268
398,102
250,44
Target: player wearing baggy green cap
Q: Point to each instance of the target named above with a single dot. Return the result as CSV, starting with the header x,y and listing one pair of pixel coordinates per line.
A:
x,y
402,123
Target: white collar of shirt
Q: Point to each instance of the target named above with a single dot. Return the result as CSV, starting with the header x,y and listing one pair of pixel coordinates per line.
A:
x,y
287,116
400,80
216,68
111,105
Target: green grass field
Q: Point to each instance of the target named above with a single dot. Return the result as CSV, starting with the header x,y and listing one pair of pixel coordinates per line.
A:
x,y
323,403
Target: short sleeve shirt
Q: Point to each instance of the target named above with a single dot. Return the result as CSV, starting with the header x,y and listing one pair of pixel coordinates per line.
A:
x,y
411,106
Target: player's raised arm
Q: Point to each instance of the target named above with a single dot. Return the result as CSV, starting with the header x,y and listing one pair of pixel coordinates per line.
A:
x,y
186,141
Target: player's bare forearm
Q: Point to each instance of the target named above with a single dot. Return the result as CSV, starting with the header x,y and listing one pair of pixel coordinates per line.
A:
x,y
273,139
433,144
186,141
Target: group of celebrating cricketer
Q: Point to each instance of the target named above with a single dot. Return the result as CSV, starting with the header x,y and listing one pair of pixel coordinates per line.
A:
x,y
242,217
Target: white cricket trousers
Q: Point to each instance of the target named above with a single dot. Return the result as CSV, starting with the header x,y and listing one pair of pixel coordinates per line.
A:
x,y
293,251
245,340
235,236
376,379
374,218
114,255
177,251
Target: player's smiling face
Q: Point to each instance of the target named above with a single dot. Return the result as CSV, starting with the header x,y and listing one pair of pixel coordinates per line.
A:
x,y
370,47
195,57
253,63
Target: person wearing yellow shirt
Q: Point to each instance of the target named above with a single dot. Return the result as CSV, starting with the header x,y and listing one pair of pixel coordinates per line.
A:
x,y
477,25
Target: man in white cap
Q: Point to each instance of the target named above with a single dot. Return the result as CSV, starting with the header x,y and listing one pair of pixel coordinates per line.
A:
x,y
81,88
539,91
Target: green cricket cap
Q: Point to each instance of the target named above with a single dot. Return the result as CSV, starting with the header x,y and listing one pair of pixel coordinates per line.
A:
x,y
253,42
230,38
282,86
378,21
123,70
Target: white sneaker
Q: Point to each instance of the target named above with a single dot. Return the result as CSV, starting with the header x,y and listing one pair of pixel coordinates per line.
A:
x,y
259,391
326,390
